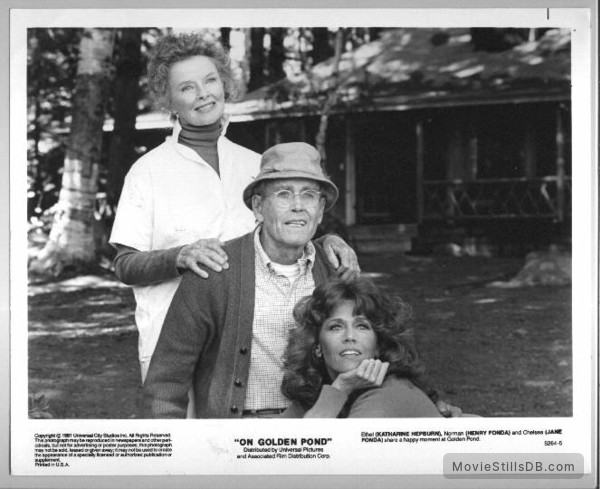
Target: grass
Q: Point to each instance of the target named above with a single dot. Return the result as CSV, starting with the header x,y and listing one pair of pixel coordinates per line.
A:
x,y
493,352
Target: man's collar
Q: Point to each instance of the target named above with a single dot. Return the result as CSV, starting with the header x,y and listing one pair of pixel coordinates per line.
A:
x,y
306,261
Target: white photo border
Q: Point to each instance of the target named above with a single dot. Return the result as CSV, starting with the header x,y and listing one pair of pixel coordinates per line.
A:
x,y
218,435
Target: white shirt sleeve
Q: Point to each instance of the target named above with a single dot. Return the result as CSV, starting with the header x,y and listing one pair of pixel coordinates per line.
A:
x,y
134,220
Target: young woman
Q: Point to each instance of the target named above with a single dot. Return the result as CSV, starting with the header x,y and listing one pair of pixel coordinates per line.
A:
x,y
352,355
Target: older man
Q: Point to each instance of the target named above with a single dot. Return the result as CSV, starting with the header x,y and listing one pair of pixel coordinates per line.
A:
x,y
226,335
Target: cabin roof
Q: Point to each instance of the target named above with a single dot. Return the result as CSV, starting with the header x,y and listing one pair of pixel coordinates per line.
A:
x,y
413,68
422,67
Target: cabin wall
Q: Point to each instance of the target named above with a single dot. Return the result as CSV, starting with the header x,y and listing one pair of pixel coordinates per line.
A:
x,y
486,142
476,158
491,174
385,159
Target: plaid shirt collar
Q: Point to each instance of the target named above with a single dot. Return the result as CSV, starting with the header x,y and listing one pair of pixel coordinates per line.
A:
x,y
306,261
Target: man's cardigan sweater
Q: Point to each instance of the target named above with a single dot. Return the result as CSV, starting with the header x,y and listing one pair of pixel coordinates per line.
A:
x,y
207,336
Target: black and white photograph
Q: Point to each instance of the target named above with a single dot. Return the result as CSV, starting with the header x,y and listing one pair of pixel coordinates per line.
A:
x,y
236,227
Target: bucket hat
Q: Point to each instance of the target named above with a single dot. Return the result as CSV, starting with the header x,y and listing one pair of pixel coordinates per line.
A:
x,y
293,160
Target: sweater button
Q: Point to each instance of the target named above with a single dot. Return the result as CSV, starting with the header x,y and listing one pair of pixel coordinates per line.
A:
x,y
243,350
237,383
234,409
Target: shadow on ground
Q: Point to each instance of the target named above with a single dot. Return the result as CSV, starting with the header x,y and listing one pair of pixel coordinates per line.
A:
x,y
493,352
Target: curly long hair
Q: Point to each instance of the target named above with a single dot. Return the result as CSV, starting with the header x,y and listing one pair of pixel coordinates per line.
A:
x,y
170,49
391,319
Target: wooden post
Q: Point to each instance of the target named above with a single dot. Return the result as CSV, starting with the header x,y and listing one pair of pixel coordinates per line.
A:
x,y
267,135
473,149
530,151
560,167
454,165
350,174
420,168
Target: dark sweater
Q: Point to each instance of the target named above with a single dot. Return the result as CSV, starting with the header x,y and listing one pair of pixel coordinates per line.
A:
x,y
134,267
203,140
207,336
396,398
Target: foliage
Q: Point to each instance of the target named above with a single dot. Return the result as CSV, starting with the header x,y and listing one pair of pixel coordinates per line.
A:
x,y
52,63
402,65
71,242
289,66
51,67
39,407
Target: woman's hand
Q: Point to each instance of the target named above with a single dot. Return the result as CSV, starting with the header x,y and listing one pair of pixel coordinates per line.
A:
x,y
448,410
370,373
207,252
341,256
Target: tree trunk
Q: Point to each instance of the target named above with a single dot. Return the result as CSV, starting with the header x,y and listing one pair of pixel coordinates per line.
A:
x,y
226,37
244,77
321,137
71,243
121,154
374,33
322,49
33,93
276,54
257,58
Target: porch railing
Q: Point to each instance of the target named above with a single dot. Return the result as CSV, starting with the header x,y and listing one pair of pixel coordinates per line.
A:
x,y
497,198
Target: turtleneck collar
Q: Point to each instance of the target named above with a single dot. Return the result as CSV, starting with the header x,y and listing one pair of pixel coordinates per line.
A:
x,y
203,140
193,136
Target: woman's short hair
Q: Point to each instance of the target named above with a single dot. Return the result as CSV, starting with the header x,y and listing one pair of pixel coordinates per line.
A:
x,y
390,317
170,49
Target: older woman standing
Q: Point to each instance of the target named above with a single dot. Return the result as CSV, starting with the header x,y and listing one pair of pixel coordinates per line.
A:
x,y
183,199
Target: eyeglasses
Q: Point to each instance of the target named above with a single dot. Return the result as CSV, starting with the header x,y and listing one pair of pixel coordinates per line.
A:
x,y
285,198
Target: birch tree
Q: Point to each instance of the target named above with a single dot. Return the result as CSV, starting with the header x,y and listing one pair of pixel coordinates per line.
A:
x,y
71,242
332,97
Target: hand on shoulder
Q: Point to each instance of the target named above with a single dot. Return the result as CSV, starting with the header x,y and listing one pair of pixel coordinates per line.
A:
x,y
206,252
